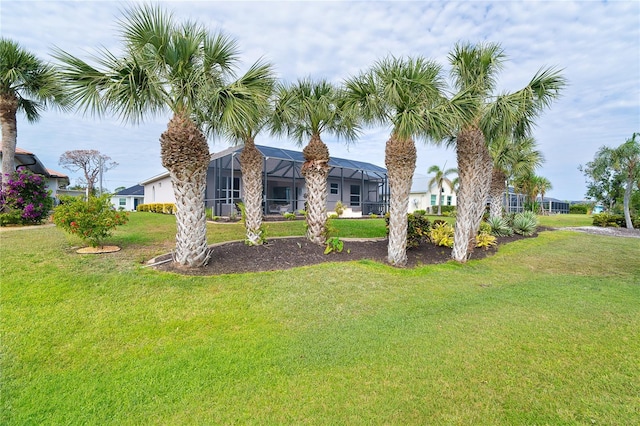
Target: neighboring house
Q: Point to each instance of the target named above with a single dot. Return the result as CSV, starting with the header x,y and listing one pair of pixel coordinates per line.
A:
x,y
422,197
553,205
56,181
361,187
128,199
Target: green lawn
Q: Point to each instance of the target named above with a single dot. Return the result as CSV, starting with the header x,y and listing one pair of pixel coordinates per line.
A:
x,y
547,331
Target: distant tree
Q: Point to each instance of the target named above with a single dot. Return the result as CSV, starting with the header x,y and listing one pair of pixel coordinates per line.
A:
x,y
90,162
626,161
118,189
438,180
604,183
28,85
543,185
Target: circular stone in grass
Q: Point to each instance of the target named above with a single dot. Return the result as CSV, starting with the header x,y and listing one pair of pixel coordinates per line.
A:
x,y
98,250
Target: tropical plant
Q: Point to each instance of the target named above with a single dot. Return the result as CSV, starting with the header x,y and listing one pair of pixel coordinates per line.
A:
x,y
27,85
166,65
474,70
499,226
92,220
24,199
543,185
604,183
405,93
304,110
248,111
333,245
511,157
485,240
441,234
438,181
626,161
525,223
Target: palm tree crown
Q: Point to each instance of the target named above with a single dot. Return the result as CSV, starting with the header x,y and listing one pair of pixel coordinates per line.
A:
x,y
28,85
438,180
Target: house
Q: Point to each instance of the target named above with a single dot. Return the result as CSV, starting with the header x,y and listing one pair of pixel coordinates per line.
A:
x,y
129,198
362,187
56,181
423,197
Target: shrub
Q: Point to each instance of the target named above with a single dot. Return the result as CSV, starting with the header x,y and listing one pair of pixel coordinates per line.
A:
x,y
449,211
441,234
418,228
525,223
485,240
289,216
25,199
484,228
92,220
608,219
419,212
334,245
164,208
499,227
579,208
339,208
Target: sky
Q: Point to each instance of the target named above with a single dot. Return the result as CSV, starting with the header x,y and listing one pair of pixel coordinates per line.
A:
x,y
596,44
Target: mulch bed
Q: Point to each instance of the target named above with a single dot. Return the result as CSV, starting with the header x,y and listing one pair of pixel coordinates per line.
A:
x,y
285,253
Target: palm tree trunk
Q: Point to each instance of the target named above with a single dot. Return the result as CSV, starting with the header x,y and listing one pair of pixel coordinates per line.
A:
x,y
315,171
400,159
439,200
473,159
8,109
495,192
627,202
251,166
185,153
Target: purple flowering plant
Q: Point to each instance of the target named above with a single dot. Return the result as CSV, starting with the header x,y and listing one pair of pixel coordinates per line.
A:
x,y
24,199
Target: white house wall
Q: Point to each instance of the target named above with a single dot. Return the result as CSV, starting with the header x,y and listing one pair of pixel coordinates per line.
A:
x,y
159,191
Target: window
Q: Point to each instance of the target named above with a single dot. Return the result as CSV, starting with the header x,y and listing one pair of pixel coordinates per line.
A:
x,y
333,188
355,195
433,199
282,193
448,200
229,193
441,199
122,202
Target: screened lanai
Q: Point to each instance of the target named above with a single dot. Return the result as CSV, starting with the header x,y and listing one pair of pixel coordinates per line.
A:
x,y
361,186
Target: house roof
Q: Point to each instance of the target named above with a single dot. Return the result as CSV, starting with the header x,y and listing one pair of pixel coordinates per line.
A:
x,y
29,160
135,190
281,154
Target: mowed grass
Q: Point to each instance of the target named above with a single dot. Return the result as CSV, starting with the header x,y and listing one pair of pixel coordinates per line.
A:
x,y
547,331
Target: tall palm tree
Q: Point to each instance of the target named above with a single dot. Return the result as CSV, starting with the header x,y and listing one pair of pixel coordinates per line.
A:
x,y
543,185
28,85
406,93
306,109
438,180
626,160
510,157
165,65
242,123
474,70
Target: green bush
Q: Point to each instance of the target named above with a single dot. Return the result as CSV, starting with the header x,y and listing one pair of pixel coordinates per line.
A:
x,y
449,211
92,220
609,220
419,212
418,228
579,208
525,223
485,240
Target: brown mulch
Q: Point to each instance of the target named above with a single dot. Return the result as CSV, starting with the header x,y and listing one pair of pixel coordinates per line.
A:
x,y
285,253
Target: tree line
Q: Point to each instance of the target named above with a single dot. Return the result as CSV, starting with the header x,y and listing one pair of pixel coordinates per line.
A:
x,y
182,67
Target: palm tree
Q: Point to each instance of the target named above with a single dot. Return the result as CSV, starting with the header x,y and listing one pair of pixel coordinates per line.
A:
x,y
406,94
474,70
304,110
242,123
438,181
165,65
543,185
28,85
510,157
626,159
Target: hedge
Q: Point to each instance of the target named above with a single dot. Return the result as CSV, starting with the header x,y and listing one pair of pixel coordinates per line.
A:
x,y
165,208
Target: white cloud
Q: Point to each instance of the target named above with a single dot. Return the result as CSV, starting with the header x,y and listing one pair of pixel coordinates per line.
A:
x,y
595,42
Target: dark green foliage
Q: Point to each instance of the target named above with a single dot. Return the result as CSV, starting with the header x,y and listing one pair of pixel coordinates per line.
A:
x,y
579,208
447,210
525,223
500,227
418,228
608,219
